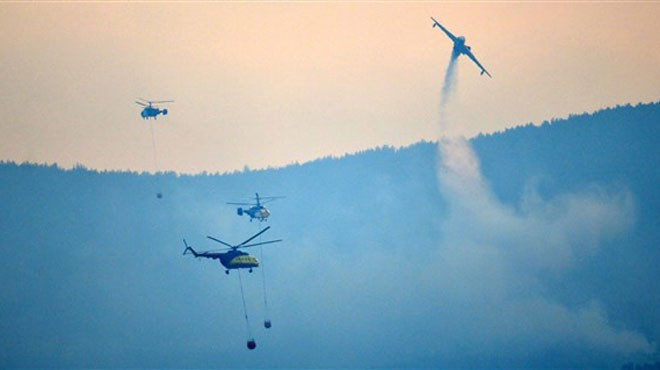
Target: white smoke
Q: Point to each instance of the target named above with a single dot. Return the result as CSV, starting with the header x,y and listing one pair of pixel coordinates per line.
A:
x,y
496,257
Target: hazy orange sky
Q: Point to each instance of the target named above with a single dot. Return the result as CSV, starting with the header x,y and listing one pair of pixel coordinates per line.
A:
x,y
267,84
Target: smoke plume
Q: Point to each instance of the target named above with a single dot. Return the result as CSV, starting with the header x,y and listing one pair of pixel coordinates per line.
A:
x,y
498,257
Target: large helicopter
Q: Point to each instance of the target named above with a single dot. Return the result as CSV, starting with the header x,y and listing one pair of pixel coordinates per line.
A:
x,y
150,110
256,210
231,258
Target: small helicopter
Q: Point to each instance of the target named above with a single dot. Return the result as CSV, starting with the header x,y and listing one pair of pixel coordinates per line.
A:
x,y
232,258
256,210
150,110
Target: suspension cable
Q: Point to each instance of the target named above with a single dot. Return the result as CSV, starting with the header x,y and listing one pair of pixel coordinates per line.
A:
x,y
153,143
247,321
263,283
156,168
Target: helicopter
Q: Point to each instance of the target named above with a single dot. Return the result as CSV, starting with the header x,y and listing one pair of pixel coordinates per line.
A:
x,y
256,210
150,110
231,258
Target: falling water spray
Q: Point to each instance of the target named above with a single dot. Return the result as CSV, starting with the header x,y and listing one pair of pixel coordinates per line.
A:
x,y
457,163
494,248
448,87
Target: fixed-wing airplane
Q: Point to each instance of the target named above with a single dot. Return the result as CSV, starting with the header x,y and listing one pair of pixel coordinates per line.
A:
x,y
460,47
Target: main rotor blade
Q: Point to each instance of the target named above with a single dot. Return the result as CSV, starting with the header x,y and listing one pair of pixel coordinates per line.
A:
x,y
253,236
262,243
163,101
241,204
265,200
220,241
141,103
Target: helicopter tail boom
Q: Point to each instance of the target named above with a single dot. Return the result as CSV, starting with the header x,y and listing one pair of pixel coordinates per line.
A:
x,y
192,251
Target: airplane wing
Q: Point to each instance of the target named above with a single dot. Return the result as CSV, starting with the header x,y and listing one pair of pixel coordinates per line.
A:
x,y
474,59
449,34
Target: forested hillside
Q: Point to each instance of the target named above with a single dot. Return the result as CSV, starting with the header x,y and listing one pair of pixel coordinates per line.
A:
x,y
370,272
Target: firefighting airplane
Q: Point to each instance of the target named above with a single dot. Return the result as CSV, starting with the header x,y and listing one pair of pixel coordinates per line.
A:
x,y
460,47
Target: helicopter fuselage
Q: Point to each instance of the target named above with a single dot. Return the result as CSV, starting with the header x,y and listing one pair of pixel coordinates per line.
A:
x,y
232,258
150,111
235,259
259,212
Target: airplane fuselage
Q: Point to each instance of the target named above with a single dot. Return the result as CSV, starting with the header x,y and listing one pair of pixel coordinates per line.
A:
x,y
460,47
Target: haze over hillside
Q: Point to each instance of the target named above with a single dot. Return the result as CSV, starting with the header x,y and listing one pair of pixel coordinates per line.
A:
x,y
553,263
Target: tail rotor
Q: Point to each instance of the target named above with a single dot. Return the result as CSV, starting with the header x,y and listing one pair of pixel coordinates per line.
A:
x,y
188,248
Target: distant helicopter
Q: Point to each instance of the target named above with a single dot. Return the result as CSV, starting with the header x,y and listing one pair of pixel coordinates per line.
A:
x,y
232,258
150,110
257,210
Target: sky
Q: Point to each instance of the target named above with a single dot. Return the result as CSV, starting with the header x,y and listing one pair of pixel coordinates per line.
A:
x,y
269,84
